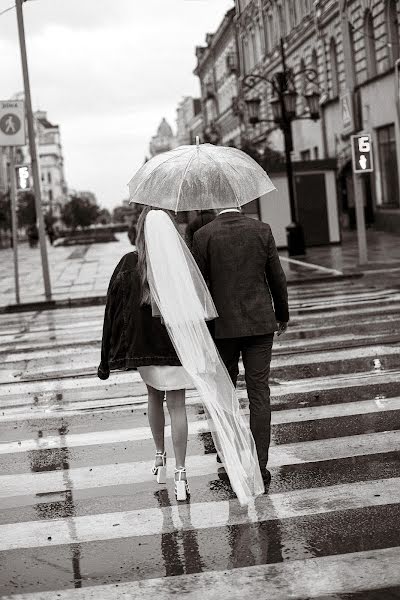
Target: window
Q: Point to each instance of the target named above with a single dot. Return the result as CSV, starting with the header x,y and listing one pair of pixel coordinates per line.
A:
x,y
305,155
270,31
334,68
316,152
388,166
282,24
302,86
351,37
392,26
314,66
369,40
49,176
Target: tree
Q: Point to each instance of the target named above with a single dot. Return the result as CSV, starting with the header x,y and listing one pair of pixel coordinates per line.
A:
x,y
104,217
79,212
26,209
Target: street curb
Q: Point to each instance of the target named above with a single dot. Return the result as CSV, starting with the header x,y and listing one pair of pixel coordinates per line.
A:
x,y
53,304
101,300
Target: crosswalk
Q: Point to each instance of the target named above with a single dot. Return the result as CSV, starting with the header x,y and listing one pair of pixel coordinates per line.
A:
x,y
82,517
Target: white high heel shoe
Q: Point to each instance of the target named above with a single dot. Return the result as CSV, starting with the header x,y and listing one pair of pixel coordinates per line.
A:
x,y
182,490
161,470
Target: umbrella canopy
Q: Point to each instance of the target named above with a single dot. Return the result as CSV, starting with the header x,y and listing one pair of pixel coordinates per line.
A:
x,y
198,177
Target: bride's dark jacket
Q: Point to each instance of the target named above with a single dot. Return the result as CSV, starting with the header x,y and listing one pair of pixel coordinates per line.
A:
x,y
132,337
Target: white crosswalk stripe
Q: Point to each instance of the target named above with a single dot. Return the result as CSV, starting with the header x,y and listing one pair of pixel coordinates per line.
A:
x,y
78,499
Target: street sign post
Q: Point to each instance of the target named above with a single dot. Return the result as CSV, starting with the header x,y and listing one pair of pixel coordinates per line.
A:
x,y
12,133
361,149
33,151
12,123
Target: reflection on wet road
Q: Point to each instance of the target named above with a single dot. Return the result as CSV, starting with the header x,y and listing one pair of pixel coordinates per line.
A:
x,y
83,518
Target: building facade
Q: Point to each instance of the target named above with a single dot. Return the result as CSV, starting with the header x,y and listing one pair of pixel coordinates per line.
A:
x,y
189,120
352,46
218,72
51,160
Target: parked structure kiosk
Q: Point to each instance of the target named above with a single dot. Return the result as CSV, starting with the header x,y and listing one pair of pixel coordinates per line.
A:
x,y
316,200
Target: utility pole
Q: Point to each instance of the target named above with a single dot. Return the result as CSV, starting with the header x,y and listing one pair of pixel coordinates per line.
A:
x,y
14,220
350,84
32,150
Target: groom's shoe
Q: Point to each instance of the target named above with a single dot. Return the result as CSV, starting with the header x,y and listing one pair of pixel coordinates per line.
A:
x,y
266,475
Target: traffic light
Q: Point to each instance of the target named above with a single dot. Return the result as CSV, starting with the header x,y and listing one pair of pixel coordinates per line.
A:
x,y
361,147
23,177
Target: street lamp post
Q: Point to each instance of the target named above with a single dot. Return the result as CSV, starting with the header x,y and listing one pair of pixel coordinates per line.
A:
x,y
284,112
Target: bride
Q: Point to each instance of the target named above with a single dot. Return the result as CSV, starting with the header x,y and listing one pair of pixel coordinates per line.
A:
x,y
155,319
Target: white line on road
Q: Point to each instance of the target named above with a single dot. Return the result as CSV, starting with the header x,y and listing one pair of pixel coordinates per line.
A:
x,y
128,473
136,434
298,579
310,265
202,515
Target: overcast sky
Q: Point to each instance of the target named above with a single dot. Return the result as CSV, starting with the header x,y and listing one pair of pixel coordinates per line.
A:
x,y
107,71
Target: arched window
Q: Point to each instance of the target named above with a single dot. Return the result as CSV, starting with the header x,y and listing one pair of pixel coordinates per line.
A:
x,y
369,41
270,30
282,22
257,42
392,26
252,50
333,59
302,86
245,47
351,37
314,65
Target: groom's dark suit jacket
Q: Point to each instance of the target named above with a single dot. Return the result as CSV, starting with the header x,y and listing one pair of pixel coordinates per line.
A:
x,y
239,260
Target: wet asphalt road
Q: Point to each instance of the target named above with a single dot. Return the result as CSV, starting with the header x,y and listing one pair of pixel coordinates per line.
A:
x,y
82,517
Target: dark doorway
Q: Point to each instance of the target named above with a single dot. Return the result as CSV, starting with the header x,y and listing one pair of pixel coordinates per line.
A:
x,y
311,207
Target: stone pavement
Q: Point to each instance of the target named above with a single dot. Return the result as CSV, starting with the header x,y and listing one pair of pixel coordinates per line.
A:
x,y
83,518
83,272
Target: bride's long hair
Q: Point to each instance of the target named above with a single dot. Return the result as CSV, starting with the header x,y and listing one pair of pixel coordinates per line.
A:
x,y
140,243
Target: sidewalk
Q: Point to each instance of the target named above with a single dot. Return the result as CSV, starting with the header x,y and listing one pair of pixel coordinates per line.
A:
x,y
80,274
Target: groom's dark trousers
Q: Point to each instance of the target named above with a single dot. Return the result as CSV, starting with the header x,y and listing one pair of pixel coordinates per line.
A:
x,y
239,260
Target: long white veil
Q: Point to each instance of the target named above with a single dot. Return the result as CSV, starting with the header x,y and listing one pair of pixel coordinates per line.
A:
x,y
182,298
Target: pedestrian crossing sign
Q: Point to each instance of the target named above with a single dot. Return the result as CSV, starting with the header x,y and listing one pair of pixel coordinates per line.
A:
x,y
361,147
12,123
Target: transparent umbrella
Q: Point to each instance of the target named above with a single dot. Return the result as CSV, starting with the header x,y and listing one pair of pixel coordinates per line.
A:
x,y
198,177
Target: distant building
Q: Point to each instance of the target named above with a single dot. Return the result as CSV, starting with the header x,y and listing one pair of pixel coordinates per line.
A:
x,y
163,140
127,213
218,71
189,121
51,160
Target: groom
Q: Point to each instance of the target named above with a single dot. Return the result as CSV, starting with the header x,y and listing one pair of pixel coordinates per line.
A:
x,y
239,261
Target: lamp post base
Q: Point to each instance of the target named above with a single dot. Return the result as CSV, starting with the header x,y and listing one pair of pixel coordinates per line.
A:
x,y
295,240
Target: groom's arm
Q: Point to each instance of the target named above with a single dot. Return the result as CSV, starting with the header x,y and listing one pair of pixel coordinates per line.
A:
x,y
200,255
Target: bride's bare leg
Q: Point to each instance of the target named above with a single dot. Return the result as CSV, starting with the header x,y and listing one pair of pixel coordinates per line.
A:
x,y
156,417
179,426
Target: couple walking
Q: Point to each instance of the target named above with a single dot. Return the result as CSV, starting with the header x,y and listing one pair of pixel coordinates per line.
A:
x,y
161,297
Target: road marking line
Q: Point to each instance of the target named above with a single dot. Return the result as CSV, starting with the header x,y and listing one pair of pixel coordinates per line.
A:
x,y
97,476
202,515
298,415
298,579
310,265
